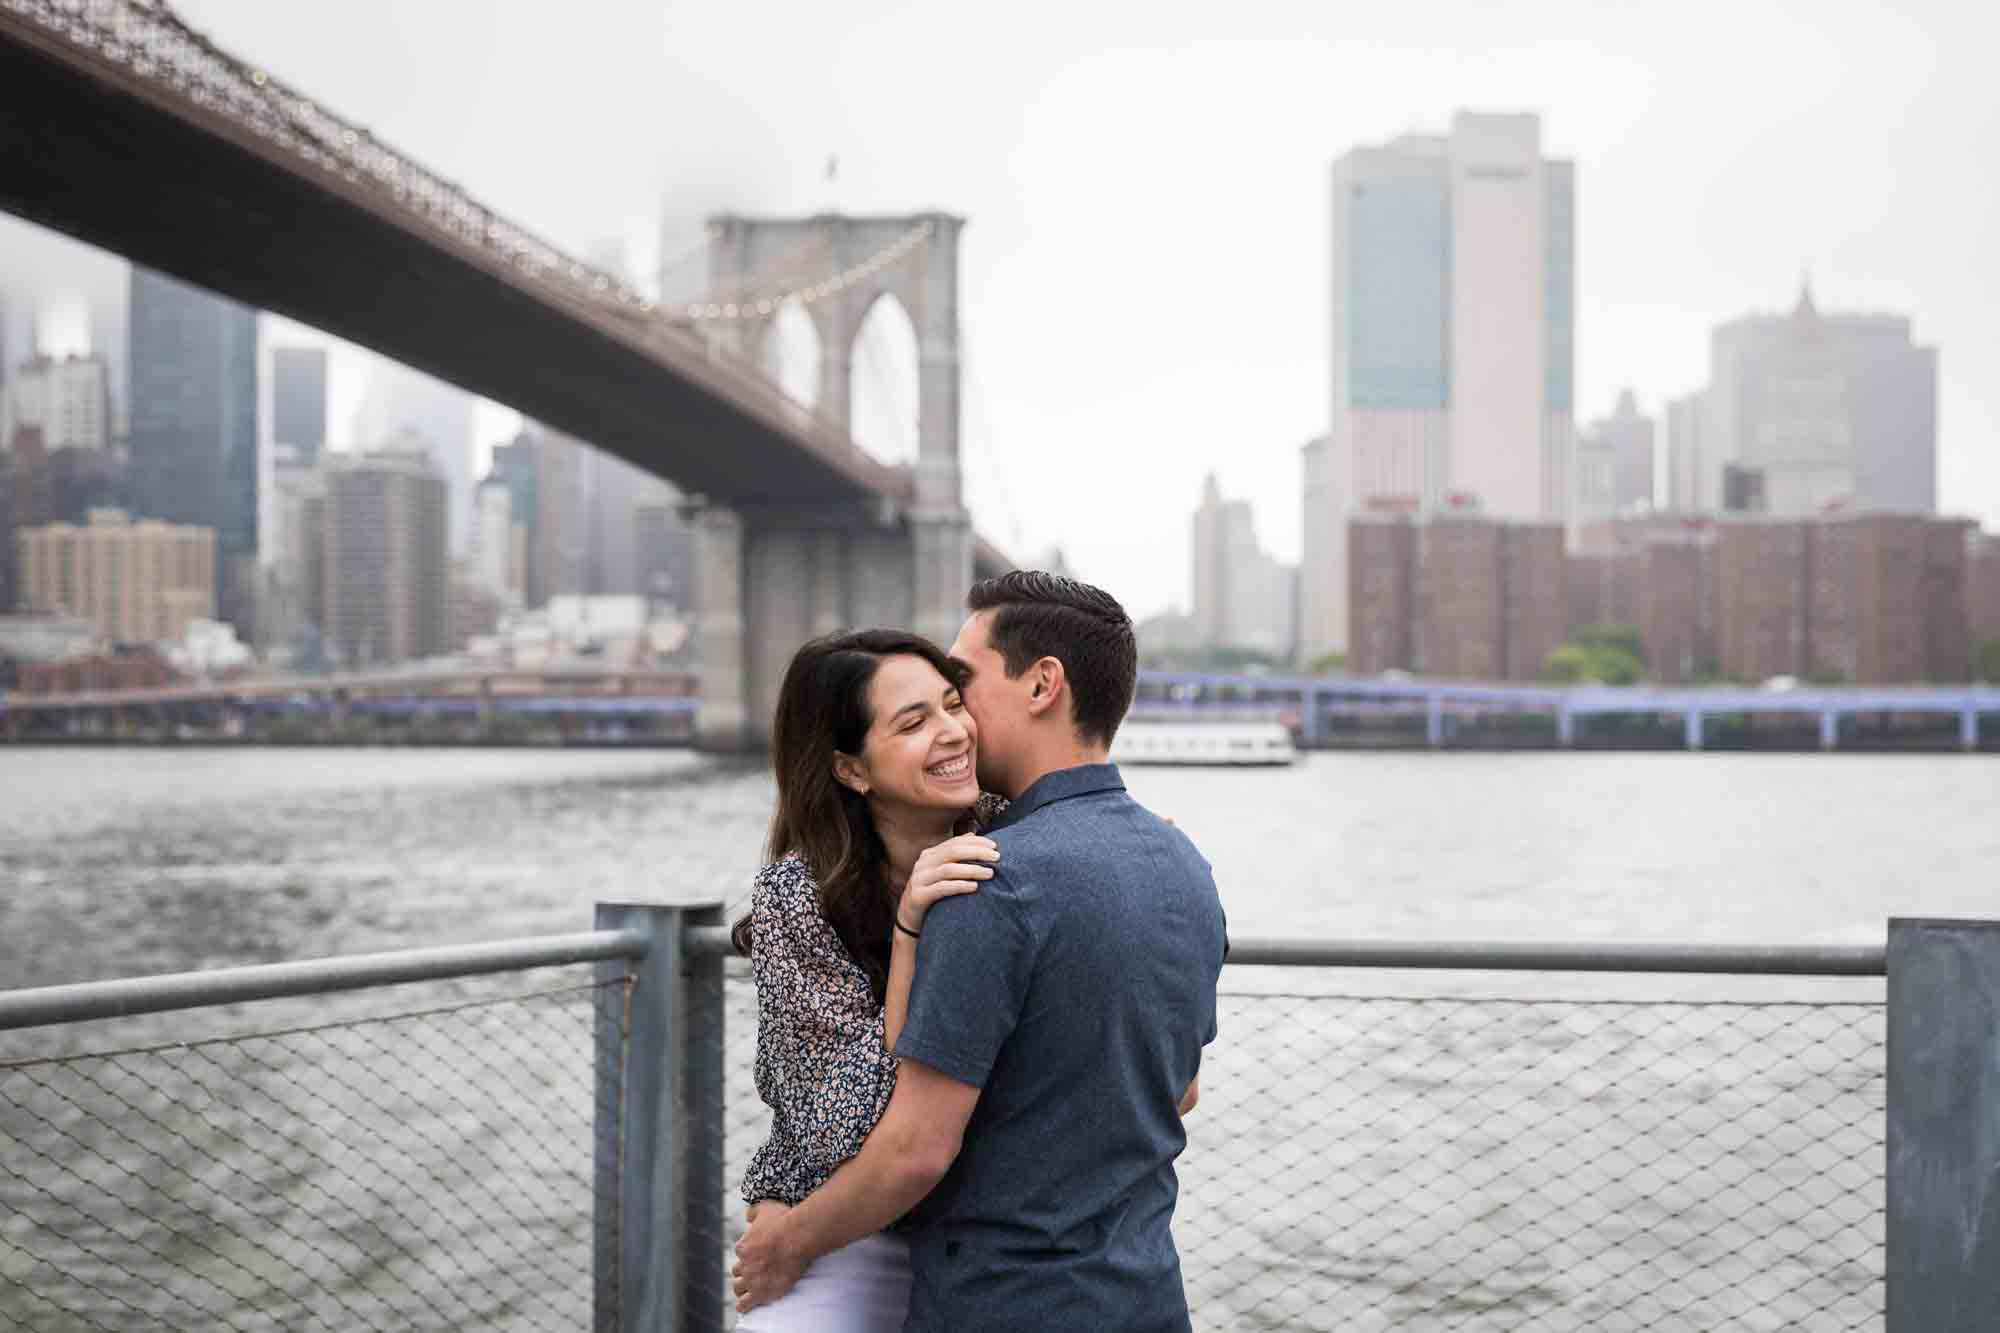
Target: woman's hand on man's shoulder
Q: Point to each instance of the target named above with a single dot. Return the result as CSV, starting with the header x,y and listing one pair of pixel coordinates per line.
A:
x,y
955,866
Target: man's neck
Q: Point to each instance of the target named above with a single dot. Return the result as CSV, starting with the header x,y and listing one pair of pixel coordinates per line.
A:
x,y
1054,758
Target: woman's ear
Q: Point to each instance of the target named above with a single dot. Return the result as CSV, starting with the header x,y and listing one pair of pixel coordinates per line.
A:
x,y
850,773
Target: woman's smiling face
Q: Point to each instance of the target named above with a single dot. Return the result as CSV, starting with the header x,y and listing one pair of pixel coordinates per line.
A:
x,y
922,747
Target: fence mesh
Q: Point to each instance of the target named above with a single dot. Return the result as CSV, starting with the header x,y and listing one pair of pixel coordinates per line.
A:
x,y
1365,1162
1357,1162
429,1169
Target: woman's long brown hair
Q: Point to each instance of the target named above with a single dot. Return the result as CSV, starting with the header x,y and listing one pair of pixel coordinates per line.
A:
x,y
823,709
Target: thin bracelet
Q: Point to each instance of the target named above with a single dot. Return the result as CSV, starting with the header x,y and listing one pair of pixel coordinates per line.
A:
x,y
913,934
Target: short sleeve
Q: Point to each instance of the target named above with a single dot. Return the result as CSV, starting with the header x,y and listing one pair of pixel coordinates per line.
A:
x,y
821,1066
1214,1011
974,964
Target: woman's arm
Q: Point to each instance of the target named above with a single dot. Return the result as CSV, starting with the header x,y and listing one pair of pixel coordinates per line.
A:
x,y
822,1066
954,866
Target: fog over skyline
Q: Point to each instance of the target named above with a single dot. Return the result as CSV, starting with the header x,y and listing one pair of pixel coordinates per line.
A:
x,y
1144,290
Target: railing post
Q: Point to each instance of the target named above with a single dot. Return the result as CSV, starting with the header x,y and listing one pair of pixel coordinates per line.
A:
x,y
1434,720
1943,1126
659,1132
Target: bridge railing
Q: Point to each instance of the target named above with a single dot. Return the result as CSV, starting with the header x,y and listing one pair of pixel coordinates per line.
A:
x,y
540,1148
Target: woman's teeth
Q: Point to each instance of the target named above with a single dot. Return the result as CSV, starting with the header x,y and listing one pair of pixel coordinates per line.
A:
x,y
951,769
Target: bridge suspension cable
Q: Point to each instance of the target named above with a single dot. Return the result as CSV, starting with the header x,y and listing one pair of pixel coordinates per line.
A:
x,y
746,308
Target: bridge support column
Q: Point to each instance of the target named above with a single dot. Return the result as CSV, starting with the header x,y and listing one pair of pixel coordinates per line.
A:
x,y
940,529
1694,736
829,585
722,723
1829,730
942,549
1968,728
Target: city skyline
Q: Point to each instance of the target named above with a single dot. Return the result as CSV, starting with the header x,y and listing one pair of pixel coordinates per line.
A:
x,y
1828,138
1812,172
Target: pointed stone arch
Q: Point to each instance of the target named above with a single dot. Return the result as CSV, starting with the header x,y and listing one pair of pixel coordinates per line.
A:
x,y
788,352
885,392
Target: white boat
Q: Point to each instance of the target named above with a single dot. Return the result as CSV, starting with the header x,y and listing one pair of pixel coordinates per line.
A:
x,y
1231,744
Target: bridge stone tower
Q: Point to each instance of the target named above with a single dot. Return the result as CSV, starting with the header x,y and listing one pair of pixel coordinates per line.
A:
x,y
771,578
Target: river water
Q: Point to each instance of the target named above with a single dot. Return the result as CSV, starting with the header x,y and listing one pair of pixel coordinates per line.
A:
x,y
1397,1156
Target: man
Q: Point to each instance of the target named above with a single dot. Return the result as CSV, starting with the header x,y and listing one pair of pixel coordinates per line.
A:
x,y
1056,1021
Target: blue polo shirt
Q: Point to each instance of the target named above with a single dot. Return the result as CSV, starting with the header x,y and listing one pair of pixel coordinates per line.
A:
x,y
1076,990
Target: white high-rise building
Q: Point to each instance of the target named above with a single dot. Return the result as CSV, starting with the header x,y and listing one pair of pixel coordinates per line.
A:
x,y
66,399
1242,597
499,544
1453,285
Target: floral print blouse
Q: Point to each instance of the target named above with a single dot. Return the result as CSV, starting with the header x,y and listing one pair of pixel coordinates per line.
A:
x,y
822,1067
821,1064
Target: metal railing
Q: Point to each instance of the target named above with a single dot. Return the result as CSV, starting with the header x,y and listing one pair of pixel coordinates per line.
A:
x,y
533,1154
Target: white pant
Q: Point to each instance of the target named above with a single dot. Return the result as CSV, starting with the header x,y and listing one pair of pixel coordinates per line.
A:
x,y
863,1288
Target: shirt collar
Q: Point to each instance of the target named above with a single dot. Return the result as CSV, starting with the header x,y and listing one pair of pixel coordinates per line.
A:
x,y
1060,786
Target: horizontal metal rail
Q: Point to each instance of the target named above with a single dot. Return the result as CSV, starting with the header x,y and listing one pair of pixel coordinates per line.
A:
x,y
707,942
314,976
1564,956
1511,956
194,990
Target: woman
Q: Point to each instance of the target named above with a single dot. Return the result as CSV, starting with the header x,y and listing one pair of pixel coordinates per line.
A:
x,y
875,757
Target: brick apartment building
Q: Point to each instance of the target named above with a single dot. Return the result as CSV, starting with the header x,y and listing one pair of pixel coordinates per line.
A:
x,y
1458,596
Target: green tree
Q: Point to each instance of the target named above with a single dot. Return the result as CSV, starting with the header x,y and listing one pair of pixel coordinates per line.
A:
x,y
1327,664
1986,660
1604,654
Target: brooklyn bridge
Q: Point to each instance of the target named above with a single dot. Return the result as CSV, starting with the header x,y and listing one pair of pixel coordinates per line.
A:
x,y
254,190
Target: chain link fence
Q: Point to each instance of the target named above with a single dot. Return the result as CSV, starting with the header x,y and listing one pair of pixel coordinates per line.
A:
x,y
1357,1162
1368,1162
430,1168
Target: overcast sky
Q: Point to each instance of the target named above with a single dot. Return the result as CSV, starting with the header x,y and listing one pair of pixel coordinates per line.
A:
x,y
1144,284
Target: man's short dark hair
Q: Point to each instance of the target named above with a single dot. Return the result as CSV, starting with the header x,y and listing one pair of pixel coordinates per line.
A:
x,y
1038,614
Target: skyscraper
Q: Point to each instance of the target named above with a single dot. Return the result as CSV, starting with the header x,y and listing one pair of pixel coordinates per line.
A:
x,y
1691,489
1832,410
1453,283
403,406
1242,597
194,422
67,399
516,469
386,571
298,401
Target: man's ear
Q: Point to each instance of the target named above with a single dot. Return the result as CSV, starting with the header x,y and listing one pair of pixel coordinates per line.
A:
x,y
1046,683
850,773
